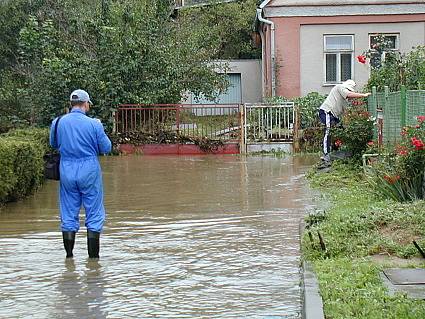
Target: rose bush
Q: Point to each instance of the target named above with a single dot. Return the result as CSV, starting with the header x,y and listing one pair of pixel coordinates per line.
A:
x,y
401,177
411,151
356,131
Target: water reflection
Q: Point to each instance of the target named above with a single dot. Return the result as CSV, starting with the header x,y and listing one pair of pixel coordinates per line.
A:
x,y
82,293
186,237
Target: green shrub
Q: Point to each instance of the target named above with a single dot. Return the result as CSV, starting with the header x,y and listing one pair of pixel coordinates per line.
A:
x,y
356,133
399,69
401,176
308,106
21,160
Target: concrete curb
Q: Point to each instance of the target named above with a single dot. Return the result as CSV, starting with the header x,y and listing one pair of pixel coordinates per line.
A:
x,y
312,301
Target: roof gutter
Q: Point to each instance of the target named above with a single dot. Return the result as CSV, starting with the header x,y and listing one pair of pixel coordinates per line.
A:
x,y
272,44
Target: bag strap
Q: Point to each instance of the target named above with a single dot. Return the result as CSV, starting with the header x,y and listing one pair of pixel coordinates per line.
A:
x,y
56,131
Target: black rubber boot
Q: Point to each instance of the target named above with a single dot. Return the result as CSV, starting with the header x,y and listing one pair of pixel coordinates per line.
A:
x,y
68,242
93,243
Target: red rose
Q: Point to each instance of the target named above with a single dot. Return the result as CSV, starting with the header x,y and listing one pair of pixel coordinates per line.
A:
x,y
361,59
421,118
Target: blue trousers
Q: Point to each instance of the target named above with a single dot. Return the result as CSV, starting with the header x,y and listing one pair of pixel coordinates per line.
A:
x,y
329,120
81,184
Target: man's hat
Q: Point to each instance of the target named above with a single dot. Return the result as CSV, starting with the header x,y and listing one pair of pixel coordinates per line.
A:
x,y
349,85
80,96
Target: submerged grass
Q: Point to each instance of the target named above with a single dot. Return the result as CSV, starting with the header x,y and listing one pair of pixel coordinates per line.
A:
x,y
359,224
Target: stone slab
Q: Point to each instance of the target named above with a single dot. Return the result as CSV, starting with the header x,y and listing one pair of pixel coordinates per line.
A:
x,y
412,291
399,276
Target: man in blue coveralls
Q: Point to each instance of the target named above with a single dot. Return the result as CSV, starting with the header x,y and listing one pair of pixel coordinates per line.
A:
x,y
80,139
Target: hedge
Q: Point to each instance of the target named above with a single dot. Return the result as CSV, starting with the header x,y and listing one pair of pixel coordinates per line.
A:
x,y
21,162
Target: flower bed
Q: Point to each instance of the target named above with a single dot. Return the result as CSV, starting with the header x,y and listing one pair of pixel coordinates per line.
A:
x,y
401,175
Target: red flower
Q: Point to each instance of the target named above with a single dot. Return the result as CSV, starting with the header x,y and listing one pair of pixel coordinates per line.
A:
x,y
338,143
421,118
361,59
391,179
401,150
419,145
370,143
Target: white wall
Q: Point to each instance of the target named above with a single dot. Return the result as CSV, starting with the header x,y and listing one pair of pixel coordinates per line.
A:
x,y
311,48
250,70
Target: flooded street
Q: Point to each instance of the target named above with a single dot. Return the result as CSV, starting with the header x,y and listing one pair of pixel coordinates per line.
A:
x,y
185,237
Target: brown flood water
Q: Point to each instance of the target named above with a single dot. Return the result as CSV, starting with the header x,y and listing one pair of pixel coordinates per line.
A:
x,y
185,237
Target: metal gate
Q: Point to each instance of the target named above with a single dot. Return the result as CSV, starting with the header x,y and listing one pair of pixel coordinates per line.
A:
x,y
265,123
243,123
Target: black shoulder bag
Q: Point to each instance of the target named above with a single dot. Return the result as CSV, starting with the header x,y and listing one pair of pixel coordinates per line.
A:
x,y
52,159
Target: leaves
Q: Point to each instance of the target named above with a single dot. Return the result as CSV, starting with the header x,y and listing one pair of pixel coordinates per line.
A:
x,y
400,69
119,51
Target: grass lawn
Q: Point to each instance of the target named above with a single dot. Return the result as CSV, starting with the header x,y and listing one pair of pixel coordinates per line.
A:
x,y
363,234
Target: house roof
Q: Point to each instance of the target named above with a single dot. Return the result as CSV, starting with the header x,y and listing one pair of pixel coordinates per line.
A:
x,y
322,8
291,3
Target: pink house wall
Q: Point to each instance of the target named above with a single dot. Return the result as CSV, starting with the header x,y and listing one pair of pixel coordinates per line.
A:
x,y
287,46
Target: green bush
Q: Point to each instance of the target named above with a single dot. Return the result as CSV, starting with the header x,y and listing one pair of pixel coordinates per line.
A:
x,y
356,133
21,160
401,176
400,69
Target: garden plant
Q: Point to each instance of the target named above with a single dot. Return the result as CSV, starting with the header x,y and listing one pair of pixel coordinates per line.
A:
x,y
400,174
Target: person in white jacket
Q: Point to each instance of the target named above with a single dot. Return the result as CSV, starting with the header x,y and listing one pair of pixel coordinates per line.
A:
x,y
332,109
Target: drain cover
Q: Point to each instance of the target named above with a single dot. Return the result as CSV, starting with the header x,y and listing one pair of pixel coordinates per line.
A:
x,y
406,276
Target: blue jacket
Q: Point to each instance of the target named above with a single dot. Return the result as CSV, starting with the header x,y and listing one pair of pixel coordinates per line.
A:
x,y
79,136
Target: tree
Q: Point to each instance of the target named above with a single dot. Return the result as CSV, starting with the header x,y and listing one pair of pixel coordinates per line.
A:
x,y
229,26
127,51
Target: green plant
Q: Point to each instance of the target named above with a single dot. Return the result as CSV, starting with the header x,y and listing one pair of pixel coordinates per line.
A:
x,y
308,107
119,51
356,226
356,133
21,160
401,176
397,69
228,25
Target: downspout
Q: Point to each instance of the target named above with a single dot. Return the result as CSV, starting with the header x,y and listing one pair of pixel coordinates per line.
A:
x,y
272,47
263,46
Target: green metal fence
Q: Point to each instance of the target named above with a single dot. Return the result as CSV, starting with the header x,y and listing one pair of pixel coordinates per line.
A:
x,y
399,109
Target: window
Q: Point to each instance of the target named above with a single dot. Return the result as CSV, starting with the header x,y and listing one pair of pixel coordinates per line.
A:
x,y
390,41
380,44
338,58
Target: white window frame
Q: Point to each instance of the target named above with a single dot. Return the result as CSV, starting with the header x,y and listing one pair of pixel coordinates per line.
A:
x,y
338,59
397,39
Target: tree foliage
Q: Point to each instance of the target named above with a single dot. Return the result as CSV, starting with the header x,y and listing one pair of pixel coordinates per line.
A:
x,y
227,26
127,51
399,69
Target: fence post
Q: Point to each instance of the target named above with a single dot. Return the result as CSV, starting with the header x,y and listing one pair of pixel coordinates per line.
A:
x,y
114,122
374,99
380,118
403,105
178,118
296,129
242,146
